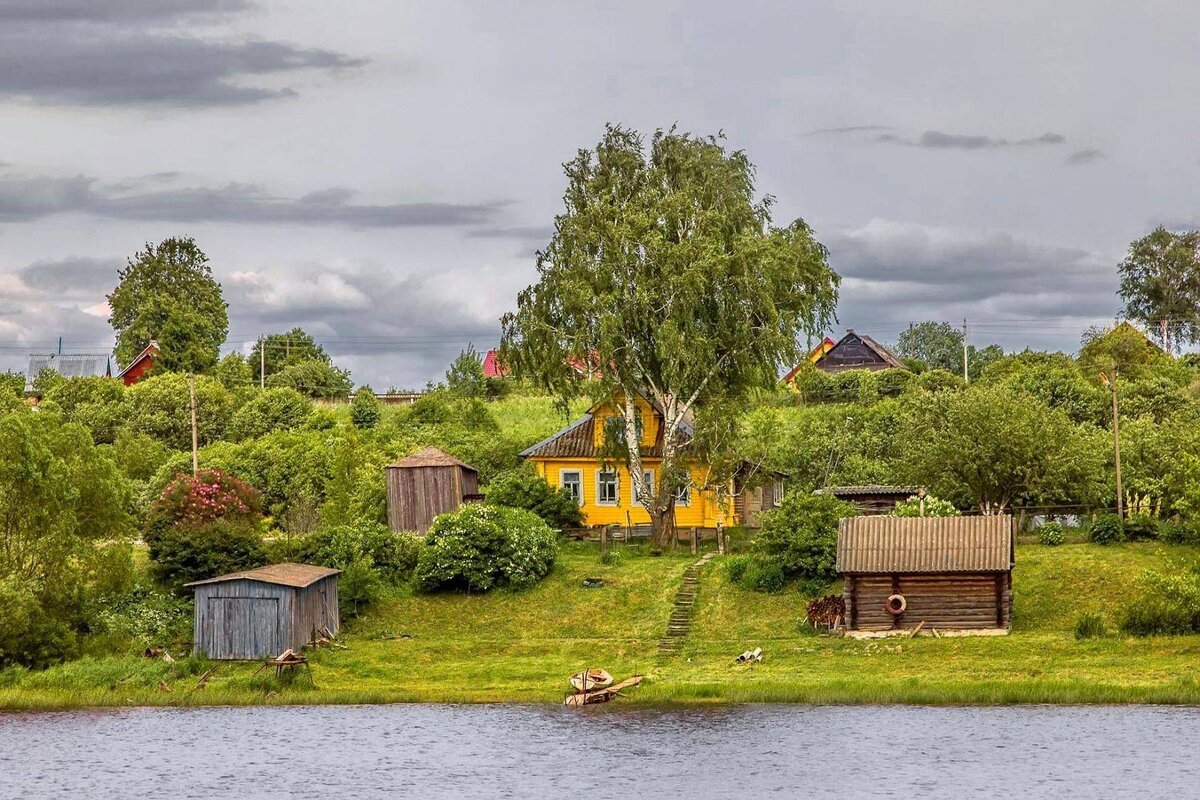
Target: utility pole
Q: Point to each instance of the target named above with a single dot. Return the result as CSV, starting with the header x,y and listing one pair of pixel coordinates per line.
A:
x,y
195,434
1112,385
262,363
966,373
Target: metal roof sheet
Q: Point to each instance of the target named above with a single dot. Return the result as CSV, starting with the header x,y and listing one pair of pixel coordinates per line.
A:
x,y
69,365
295,575
885,544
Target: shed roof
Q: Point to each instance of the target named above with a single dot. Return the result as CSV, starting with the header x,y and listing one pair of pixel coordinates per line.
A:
x,y
69,365
871,488
430,457
295,575
884,544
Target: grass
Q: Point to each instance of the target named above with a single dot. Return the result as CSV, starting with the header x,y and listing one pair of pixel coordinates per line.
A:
x,y
506,647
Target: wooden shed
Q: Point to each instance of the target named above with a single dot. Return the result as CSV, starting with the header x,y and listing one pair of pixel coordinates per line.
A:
x,y
873,498
262,612
425,484
950,573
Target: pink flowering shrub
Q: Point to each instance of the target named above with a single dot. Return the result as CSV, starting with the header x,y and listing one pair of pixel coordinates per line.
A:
x,y
211,495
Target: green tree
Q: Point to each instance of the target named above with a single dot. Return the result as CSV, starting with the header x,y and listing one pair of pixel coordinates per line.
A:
x,y
12,383
281,350
160,406
364,411
317,379
668,276
234,373
167,294
270,410
993,448
1122,346
1160,284
938,345
465,377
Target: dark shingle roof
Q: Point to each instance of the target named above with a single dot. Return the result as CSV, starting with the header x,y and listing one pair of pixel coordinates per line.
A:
x,y
884,544
295,575
430,457
851,491
69,365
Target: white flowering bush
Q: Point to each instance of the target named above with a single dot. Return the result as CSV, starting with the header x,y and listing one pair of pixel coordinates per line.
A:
x,y
478,548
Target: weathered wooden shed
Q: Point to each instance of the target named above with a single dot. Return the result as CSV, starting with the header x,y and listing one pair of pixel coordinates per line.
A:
x,y
262,612
425,484
873,498
950,573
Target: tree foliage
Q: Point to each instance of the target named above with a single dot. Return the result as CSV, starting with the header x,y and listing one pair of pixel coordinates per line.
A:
x,y
465,377
522,488
317,379
365,411
282,350
1160,284
167,293
666,276
271,410
160,406
478,548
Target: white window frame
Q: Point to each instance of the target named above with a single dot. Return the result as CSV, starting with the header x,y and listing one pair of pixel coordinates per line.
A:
x,y
683,497
777,492
616,475
648,481
562,481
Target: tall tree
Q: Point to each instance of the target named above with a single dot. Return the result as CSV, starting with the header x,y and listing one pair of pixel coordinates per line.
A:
x,y
1160,284
937,344
666,273
167,293
466,377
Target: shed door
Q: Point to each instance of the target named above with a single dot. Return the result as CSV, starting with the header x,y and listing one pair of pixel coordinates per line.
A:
x,y
245,627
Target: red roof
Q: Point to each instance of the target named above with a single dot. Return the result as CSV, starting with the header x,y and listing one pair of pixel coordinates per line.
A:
x,y
492,368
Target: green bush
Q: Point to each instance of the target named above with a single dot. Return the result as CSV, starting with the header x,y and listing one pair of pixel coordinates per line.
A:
x,y
313,378
393,555
1166,604
364,410
737,568
1107,529
1180,532
523,488
765,576
33,634
280,409
1051,534
160,406
928,506
148,616
801,535
359,586
180,554
1089,626
1140,527
478,548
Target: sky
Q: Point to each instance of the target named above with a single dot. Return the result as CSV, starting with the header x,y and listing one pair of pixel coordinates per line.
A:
x,y
382,173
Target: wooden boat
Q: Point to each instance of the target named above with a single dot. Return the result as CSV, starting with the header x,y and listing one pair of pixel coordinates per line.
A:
x,y
593,679
581,699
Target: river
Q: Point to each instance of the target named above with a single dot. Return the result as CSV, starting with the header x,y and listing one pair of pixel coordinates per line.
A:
x,y
333,752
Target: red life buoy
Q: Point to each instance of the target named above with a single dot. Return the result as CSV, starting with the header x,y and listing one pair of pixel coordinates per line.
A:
x,y
895,604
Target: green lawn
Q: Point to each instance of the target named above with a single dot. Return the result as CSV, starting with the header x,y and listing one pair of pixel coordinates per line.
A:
x,y
521,647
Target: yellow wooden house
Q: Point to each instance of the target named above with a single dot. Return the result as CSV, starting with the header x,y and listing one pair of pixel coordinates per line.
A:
x,y
573,459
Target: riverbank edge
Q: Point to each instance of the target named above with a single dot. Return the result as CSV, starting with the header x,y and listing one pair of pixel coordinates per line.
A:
x,y
1182,693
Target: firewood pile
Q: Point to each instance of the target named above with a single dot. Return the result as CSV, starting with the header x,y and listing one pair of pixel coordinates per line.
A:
x,y
826,612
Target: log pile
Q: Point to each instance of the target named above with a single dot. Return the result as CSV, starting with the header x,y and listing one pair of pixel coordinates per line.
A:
x,y
826,612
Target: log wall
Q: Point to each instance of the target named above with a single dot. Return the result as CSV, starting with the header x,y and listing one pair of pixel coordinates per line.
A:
x,y
946,601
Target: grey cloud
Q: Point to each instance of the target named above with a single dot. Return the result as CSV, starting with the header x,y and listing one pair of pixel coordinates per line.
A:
x,y
850,129
1085,156
74,65
939,140
111,10
522,233
73,277
35,197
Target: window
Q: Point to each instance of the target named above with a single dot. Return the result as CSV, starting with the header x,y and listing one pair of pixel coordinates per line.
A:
x,y
648,479
571,482
608,488
684,496
777,492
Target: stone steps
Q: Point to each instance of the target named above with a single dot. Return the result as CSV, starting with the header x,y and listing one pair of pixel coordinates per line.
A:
x,y
679,624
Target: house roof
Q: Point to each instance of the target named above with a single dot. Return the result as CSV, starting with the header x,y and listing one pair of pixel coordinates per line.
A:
x,y
833,360
295,575
814,355
150,351
884,544
578,440
492,368
853,491
430,457
69,365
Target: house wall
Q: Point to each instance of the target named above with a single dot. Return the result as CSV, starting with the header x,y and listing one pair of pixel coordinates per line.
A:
x,y
415,495
138,372
703,512
651,422
947,601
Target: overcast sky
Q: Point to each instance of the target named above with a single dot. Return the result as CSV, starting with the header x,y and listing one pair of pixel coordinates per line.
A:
x,y
380,173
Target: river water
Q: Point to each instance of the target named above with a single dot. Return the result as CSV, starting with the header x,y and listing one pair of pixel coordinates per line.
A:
x,y
335,752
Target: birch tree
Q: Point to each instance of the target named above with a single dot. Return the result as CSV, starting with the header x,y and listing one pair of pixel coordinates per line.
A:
x,y
668,276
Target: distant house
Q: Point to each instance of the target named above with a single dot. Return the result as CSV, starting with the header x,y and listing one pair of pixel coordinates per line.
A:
x,y
69,365
492,368
852,351
575,460
814,356
936,573
142,365
427,483
872,498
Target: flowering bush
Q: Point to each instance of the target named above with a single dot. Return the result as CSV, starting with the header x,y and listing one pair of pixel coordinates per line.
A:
x,y
192,501
481,547
928,506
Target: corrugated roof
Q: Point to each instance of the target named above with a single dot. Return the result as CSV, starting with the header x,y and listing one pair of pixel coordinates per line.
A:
x,y
295,575
430,457
69,365
884,544
847,491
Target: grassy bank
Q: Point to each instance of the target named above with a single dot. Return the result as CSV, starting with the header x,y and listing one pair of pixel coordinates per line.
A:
x,y
521,647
